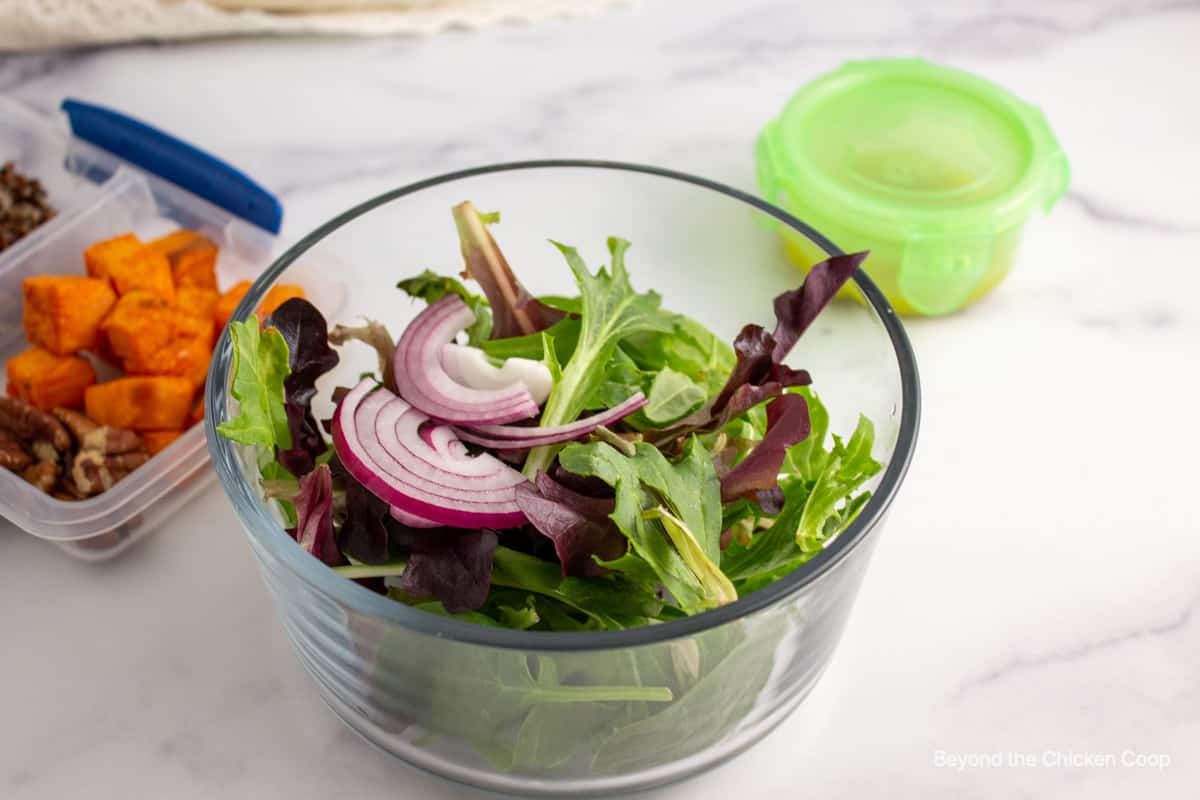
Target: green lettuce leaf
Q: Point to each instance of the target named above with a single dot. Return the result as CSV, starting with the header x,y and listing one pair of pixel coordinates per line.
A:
x,y
671,514
260,364
673,395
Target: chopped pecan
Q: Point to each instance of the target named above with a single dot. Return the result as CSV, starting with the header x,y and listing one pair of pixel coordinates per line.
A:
x,y
78,423
28,424
95,472
111,441
43,475
43,450
91,435
12,454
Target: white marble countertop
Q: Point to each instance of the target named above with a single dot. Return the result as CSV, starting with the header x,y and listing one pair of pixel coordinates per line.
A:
x,y
1037,589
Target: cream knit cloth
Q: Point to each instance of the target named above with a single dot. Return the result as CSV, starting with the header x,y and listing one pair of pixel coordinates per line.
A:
x,y
36,24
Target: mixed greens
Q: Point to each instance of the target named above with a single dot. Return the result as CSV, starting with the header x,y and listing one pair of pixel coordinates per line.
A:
x,y
552,463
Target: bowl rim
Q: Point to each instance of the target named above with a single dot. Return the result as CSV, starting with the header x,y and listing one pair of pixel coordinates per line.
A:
x,y
265,532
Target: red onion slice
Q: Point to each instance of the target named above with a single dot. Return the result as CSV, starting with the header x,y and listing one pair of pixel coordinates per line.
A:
x,y
422,379
425,482
411,520
515,437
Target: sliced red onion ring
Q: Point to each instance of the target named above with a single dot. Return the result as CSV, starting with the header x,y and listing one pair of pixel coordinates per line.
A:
x,y
422,380
411,520
394,462
516,437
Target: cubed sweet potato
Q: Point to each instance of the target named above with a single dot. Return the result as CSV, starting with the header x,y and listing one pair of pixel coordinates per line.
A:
x,y
193,258
140,403
140,324
181,357
102,255
228,302
63,312
45,380
277,296
197,302
145,270
196,264
173,241
156,441
194,328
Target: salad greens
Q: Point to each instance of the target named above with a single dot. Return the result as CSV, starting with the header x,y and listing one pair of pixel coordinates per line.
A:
x,y
716,474
610,311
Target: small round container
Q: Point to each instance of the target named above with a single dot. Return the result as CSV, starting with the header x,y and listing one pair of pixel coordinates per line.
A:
x,y
933,170
666,700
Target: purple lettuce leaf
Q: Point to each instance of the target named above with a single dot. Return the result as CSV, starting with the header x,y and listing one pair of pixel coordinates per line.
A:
x,y
578,525
365,533
759,373
314,516
757,475
796,310
449,565
515,312
309,357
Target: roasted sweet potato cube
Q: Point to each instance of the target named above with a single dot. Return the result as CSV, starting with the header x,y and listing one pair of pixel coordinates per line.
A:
x,y
102,255
181,357
194,328
63,312
197,302
193,258
145,270
228,302
140,324
196,264
173,241
45,380
277,296
156,441
140,403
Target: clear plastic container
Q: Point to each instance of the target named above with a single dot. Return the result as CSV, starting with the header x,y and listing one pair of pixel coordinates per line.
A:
x,y
545,713
99,194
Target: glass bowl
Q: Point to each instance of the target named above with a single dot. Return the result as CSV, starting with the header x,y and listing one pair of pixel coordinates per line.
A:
x,y
533,712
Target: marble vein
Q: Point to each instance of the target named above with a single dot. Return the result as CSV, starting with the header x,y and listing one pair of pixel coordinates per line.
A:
x,y
1101,211
1082,651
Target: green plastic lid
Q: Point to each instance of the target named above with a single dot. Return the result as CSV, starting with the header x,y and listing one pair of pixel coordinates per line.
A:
x,y
901,150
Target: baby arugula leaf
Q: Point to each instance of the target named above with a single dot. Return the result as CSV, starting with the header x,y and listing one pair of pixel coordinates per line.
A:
x,y
260,365
850,464
611,311
670,512
819,487
612,601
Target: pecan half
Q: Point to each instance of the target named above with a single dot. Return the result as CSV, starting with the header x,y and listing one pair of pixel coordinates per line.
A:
x,y
28,424
92,435
95,472
43,475
12,454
